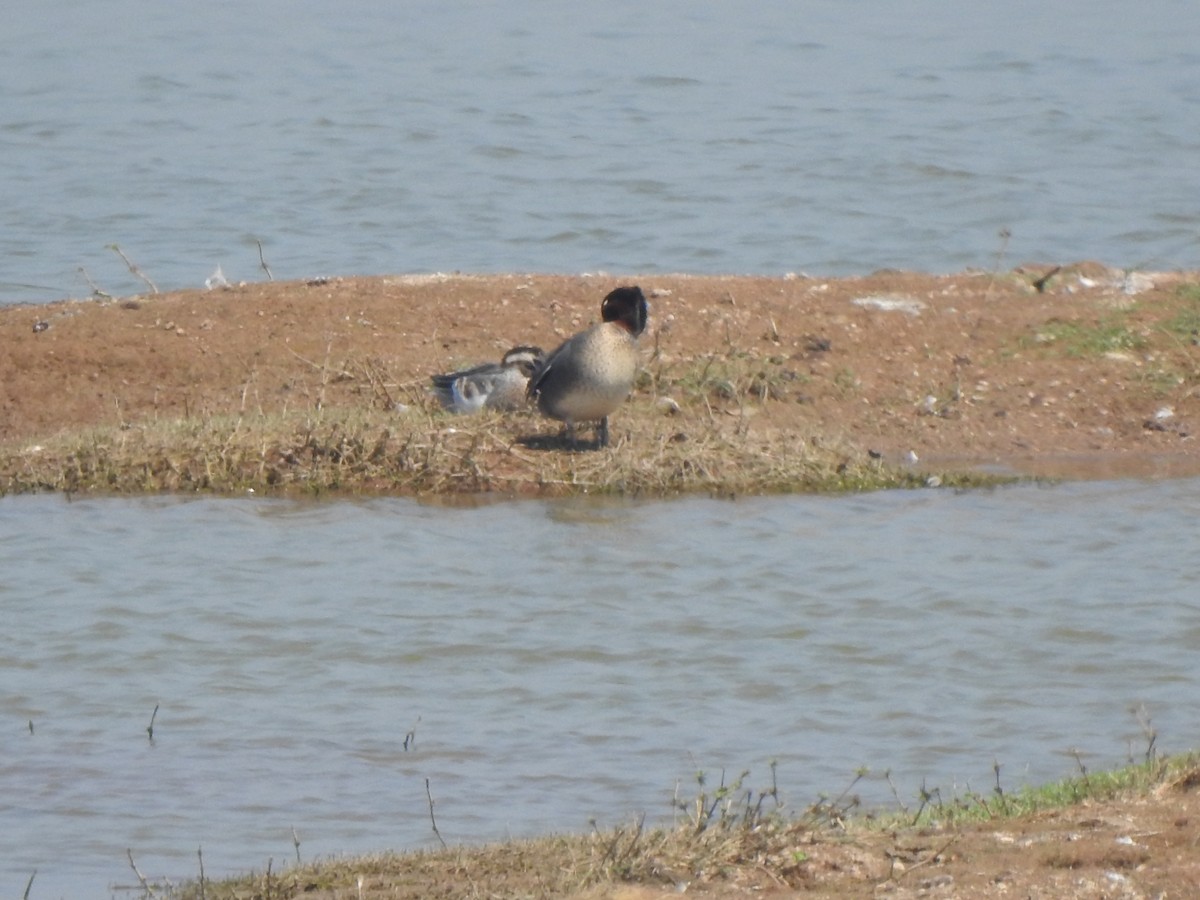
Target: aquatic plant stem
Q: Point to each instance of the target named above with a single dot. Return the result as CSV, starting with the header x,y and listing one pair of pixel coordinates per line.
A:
x,y
263,262
433,821
133,269
140,877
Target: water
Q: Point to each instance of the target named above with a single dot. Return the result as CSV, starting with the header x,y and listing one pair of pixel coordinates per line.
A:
x,y
831,137
546,663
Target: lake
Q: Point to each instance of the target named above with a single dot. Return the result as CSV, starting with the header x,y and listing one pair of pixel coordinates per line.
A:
x,y
833,138
546,663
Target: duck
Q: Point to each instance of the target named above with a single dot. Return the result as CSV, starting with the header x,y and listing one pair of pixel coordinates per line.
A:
x,y
499,386
591,373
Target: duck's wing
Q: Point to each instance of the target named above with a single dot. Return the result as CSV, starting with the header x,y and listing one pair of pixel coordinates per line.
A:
x,y
474,372
541,370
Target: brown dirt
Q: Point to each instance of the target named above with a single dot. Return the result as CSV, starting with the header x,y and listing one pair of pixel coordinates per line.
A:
x,y
1087,373
1134,848
1129,848
1081,378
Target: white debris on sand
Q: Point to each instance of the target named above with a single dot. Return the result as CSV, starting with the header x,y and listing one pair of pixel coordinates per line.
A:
x,y
890,303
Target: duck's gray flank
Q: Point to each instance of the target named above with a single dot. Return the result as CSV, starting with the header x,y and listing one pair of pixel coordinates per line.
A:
x,y
591,373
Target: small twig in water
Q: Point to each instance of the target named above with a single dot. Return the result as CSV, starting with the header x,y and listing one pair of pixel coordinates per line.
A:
x,y
1083,768
29,885
140,877
1004,234
1149,732
895,793
150,727
927,796
998,790
859,775
433,821
200,856
134,270
96,292
296,842
262,262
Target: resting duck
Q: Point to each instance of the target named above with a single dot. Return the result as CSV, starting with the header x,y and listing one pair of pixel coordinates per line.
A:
x,y
489,386
592,373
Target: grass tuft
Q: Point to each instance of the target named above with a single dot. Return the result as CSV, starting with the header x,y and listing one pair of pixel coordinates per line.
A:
x,y
1110,334
691,427
973,807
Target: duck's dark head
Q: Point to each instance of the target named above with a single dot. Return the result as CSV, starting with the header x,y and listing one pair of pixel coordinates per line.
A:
x,y
626,306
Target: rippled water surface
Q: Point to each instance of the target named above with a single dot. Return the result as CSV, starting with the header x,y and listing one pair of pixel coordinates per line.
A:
x,y
544,663
830,137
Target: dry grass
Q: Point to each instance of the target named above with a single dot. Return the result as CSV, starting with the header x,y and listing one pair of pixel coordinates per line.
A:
x,y
730,834
691,427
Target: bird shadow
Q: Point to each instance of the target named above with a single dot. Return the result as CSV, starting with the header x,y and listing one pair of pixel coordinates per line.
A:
x,y
559,442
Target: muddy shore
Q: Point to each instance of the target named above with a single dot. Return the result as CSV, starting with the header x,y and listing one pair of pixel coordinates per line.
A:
x,y
1079,371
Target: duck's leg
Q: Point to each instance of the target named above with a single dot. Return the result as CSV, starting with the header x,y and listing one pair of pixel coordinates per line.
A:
x,y
602,432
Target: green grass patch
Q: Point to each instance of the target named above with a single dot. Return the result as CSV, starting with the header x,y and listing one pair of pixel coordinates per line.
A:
x,y
997,803
1110,334
1189,291
1185,324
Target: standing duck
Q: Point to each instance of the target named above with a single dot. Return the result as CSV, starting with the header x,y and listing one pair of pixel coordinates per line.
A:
x,y
592,373
491,385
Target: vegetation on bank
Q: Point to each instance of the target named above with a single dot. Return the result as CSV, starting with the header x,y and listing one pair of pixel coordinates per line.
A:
x,y
688,429
1167,341
728,834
